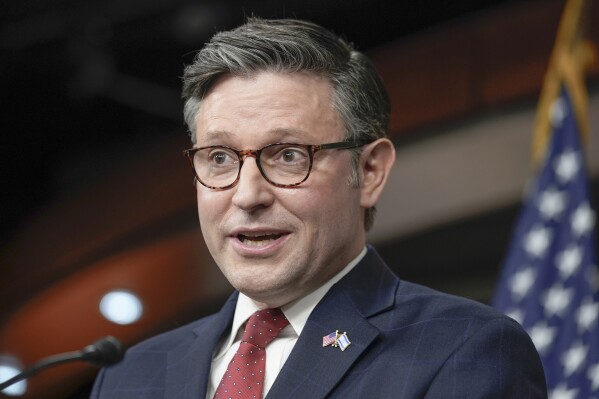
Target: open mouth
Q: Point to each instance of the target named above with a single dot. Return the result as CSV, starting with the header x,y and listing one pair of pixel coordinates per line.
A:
x,y
258,240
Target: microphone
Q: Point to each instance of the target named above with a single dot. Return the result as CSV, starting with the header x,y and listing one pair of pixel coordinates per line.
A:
x,y
104,352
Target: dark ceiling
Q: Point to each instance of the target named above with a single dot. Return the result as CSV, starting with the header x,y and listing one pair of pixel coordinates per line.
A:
x,y
85,81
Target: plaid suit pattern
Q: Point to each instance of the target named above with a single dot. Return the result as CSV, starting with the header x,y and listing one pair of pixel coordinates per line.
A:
x,y
407,341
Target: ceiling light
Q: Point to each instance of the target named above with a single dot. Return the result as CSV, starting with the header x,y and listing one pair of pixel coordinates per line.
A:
x,y
121,307
9,367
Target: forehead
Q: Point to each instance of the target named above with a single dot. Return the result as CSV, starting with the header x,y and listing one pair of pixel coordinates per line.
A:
x,y
269,106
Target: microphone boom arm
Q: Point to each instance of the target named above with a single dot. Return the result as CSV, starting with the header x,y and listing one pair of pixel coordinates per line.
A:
x,y
103,352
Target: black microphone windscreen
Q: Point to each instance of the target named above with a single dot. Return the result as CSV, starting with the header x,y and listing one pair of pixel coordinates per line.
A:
x,y
104,352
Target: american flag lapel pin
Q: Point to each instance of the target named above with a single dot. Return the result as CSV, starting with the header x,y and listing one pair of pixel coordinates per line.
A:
x,y
343,341
330,339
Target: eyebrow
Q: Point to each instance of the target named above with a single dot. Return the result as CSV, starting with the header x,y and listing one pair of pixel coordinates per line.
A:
x,y
212,133
211,136
279,134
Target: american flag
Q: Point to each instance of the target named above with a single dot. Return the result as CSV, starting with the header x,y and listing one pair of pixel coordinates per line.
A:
x,y
549,282
330,339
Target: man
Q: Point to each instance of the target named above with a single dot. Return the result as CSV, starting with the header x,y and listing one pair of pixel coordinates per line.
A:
x,y
290,153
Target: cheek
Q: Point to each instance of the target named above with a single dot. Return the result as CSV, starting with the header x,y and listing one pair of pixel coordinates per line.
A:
x,y
211,208
322,208
208,199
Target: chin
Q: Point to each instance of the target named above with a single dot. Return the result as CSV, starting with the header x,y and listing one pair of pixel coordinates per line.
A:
x,y
272,293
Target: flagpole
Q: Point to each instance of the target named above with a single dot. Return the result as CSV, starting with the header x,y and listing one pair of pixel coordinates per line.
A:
x,y
570,58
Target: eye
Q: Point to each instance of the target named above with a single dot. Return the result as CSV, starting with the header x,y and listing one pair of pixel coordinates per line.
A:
x,y
291,154
221,157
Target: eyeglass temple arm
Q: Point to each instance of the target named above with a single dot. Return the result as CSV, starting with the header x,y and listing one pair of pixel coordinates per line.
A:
x,y
341,145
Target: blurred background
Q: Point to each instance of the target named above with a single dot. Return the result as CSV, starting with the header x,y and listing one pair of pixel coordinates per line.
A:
x,y
98,209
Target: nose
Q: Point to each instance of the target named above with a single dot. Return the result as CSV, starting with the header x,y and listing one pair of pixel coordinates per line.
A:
x,y
252,191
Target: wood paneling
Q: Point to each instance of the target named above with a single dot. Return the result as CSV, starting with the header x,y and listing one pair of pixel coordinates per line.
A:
x,y
472,64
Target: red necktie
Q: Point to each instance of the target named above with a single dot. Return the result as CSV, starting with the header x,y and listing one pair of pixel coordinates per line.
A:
x,y
244,377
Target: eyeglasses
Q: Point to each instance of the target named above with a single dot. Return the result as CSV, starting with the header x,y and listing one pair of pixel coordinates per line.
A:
x,y
282,164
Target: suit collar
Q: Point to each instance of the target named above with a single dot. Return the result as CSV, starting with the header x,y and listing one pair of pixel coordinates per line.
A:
x,y
367,290
298,311
188,370
371,286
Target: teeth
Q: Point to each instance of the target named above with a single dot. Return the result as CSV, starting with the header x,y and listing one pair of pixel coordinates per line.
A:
x,y
258,243
259,240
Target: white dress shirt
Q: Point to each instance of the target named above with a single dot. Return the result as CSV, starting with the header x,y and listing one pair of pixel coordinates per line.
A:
x,y
277,352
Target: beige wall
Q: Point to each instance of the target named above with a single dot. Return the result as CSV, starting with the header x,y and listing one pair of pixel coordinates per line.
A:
x,y
470,169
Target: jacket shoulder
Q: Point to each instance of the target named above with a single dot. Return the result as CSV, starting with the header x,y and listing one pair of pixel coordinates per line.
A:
x,y
429,303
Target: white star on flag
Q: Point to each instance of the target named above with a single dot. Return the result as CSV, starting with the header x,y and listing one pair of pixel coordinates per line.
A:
x,y
583,219
567,165
587,314
593,375
568,261
542,336
552,203
537,241
574,357
562,392
557,299
557,112
521,282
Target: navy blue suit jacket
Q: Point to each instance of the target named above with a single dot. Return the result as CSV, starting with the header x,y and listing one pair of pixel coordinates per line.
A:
x,y
407,341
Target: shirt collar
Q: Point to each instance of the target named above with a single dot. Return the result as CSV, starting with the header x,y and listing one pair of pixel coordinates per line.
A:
x,y
297,312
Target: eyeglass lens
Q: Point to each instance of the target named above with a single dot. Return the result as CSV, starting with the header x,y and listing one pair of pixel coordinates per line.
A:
x,y
284,164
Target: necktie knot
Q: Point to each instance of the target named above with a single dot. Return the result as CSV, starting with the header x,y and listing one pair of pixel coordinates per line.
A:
x,y
264,326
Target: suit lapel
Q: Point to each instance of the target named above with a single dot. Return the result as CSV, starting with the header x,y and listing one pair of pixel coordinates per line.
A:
x,y
312,371
188,368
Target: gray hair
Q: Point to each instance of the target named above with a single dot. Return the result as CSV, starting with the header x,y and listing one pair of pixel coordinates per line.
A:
x,y
287,45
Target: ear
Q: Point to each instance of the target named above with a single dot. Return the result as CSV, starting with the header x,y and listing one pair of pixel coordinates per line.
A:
x,y
376,161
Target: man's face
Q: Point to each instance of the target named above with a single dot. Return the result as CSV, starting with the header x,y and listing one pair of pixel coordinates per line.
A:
x,y
278,244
